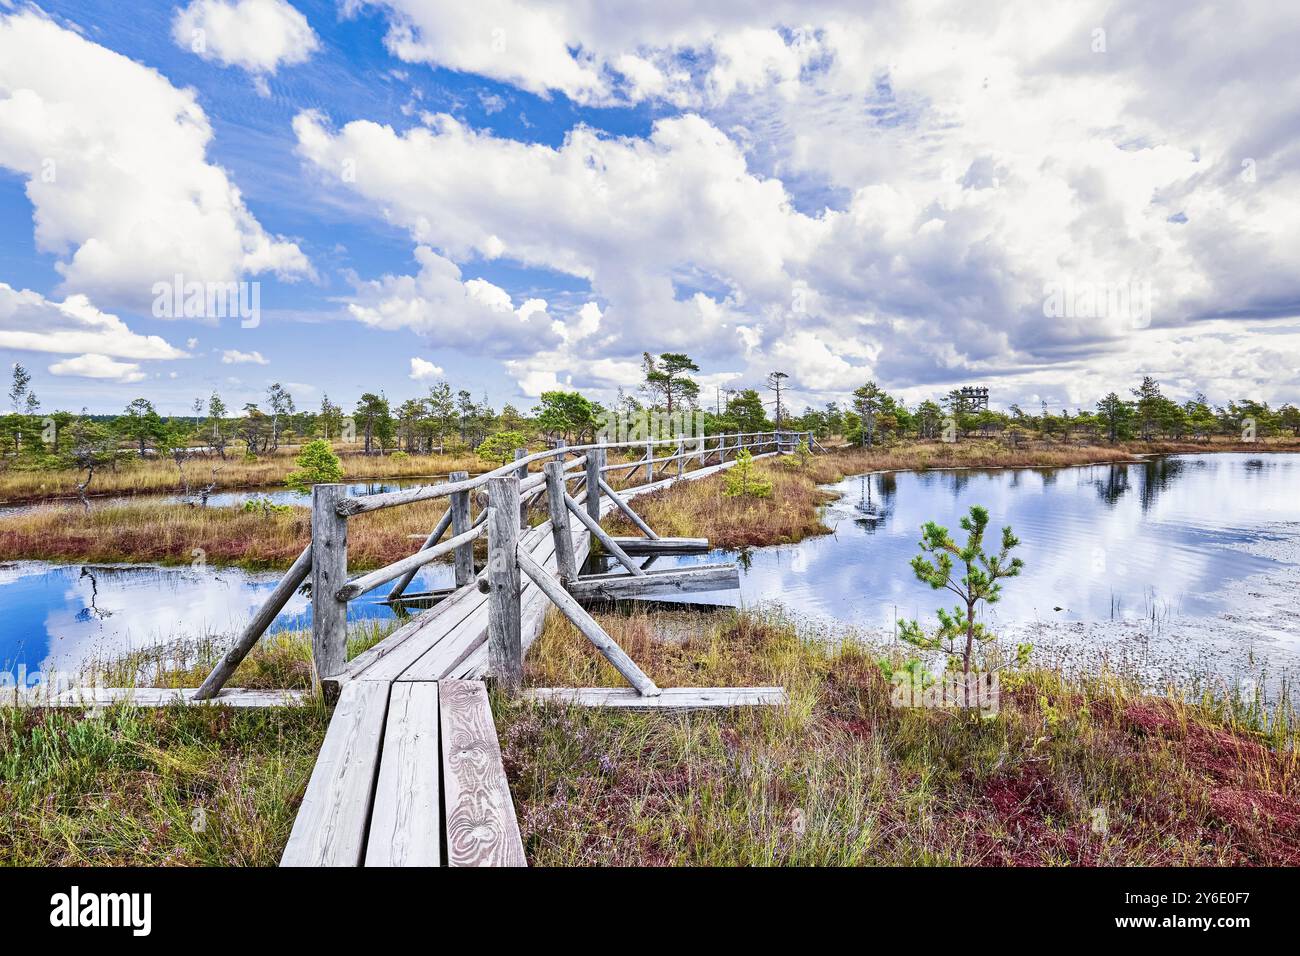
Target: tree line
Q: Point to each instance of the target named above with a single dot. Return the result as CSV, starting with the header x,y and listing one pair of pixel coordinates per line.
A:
x,y
447,420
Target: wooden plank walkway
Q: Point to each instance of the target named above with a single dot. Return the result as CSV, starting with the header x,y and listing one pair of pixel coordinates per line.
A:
x,y
410,773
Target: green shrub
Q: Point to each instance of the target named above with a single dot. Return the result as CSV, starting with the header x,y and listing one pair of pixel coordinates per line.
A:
x,y
500,448
743,479
317,465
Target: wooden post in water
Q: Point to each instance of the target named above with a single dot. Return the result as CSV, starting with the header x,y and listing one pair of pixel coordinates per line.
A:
x,y
329,572
595,462
505,652
460,523
565,560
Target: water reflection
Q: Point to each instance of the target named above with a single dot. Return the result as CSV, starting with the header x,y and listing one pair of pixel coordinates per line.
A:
x,y
1147,541
60,615
1153,539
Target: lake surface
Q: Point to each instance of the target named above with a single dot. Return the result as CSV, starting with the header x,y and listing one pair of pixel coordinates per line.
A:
x,y
1186,564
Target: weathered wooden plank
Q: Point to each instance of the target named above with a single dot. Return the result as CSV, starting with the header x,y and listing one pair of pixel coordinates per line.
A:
x,y
330,828
482,829
406,819
585,623
164,697
564,557
505,654
329,572
460,524
595,462
273,605
670,698
643,546
617,587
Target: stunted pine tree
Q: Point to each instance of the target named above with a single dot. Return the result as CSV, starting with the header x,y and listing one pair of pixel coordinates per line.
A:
x,y
975,581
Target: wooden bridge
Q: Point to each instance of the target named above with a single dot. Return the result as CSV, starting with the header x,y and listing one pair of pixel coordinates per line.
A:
x,y
410,772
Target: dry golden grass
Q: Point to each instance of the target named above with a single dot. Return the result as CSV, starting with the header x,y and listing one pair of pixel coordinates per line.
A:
x,y
160,477
168,534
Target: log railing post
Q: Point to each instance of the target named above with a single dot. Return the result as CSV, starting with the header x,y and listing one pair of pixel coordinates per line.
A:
x,y
681,457
595,467
521,473
505,652
565,560
460,523
329,572
649,463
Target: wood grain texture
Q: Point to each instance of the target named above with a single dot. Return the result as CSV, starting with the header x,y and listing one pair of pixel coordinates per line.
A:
x,y
329,572
643,546
330,829
161,697
482,829
406,820
559,512
670,698
624,507
505,653
460,524
366,583
670,581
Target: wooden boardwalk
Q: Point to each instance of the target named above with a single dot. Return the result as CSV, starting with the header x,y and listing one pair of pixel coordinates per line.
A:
x,y
413,724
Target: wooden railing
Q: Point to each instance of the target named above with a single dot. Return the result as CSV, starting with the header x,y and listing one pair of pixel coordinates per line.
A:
x,y
506,503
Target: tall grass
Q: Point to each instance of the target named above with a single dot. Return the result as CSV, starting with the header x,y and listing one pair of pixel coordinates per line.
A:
x,y
1088,772
160,475
170,533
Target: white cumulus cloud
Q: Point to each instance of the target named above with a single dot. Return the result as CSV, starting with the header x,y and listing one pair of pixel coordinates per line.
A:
x,y
98,366
116,169
255,35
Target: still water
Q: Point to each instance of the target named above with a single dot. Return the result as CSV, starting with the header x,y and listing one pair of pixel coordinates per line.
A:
x,y
1200,552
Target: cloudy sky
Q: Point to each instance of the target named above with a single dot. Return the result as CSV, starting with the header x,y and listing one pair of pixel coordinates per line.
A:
x,y
1052,199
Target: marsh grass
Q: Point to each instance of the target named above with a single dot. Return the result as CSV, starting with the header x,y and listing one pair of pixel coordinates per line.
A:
x,y
163,786
210,786
841,777
155,476
170,533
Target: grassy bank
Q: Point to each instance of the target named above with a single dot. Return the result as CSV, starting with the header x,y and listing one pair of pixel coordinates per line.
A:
x,y
171,786
154,476
169,534
841,777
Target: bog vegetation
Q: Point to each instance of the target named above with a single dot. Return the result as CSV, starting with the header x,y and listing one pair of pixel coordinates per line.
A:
x,y
58,452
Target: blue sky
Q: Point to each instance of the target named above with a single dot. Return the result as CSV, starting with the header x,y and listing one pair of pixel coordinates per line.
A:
x,y
540,192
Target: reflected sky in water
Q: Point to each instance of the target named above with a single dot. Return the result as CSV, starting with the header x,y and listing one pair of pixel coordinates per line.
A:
x,y
1164,537
56,616
1161,537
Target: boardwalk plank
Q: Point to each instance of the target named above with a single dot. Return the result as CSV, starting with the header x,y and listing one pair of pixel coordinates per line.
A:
x,y
406,822
670,698
482,829
330,829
